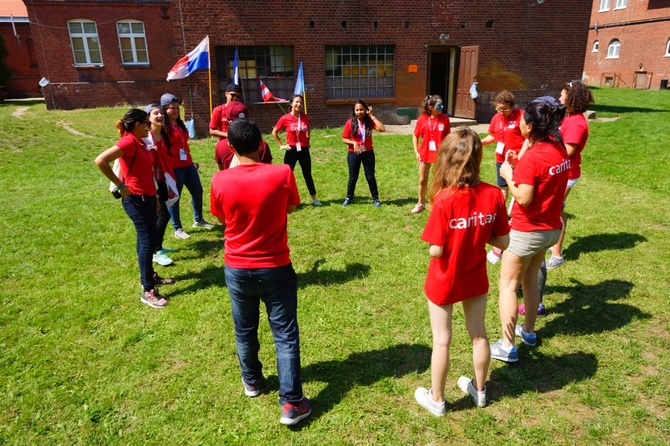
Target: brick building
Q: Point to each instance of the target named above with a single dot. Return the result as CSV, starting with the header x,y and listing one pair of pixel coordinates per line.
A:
x,y
22,59
390,53
629,44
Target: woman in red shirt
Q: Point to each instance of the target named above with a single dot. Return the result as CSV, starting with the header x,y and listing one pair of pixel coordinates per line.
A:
x,y
467,214
357,134
537,182
432,127
135,183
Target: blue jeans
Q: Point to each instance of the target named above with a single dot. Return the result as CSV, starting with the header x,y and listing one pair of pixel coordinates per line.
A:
x,y
187,176
278,289
142,211
354,161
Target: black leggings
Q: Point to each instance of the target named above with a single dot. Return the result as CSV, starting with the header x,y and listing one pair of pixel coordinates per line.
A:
x,y
291,157
354,161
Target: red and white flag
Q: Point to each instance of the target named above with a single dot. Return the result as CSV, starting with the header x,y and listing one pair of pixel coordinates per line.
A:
x,y
266,93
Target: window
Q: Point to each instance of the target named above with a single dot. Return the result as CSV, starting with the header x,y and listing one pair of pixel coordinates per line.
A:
x,y
272,64
364,71
667,48
85,43
604,5
595,47
132,42
613,49
620,4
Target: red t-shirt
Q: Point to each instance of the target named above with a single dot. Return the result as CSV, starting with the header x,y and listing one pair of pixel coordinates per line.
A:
x,y
136,157
180,152
364,141
545,167
462,222
224,114
252,199
506,131
297,129
159,151
431,129
223,155
575,131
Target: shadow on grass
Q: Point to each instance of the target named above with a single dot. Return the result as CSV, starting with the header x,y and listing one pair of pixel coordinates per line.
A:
x,y
536,373
602,242
360,369
590,309
620,110
332,276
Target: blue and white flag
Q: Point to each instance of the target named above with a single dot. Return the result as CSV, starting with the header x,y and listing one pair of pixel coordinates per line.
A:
x,y
198,59
300,82
236,70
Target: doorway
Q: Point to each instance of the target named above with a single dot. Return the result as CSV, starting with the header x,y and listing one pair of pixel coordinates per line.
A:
x,y
441,74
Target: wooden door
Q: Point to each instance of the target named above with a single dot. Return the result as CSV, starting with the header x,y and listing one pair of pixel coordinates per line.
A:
x,y
467,74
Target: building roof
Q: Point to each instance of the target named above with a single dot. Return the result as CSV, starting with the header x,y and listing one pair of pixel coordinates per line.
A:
x,y
15,8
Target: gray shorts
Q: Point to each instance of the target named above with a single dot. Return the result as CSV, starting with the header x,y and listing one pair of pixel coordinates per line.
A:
x,y
527,244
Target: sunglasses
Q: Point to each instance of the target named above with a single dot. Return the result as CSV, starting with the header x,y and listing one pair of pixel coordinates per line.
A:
x,y
502,110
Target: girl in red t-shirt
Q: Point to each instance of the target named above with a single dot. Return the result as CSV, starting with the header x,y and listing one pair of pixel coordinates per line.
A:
x,y
575,131
431,127
357,134
466,215
537,182
135,183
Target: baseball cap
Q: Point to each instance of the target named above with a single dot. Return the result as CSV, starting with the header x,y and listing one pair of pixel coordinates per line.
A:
x,y
150,107
168,98
547,100
233,88
237,110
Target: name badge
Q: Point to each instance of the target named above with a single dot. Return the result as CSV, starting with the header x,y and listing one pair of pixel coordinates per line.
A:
x,y
298,147
432,146
183,155
500,148
362,148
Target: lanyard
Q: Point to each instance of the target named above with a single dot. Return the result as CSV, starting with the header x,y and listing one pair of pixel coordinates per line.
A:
x,y
432,128
361,131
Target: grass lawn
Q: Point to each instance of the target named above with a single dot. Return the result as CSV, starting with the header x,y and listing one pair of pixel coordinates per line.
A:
x,y
82,361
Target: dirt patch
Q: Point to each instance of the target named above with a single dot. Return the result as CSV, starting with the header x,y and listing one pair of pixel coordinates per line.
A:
x,y
73,131
19,112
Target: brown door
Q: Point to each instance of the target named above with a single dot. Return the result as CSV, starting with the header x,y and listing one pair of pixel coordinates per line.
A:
x,y
467,74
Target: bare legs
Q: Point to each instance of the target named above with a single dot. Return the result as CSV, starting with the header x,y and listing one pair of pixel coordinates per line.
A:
x,y
558,247
424,172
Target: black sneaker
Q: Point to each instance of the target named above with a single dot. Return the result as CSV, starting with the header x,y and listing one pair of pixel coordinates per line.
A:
x,y
292,414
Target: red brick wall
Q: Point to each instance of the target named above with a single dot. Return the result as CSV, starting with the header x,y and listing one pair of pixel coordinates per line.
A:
x,y
112,84
643,29
25,74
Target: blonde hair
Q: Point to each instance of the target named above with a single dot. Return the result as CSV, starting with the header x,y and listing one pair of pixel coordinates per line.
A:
x,y
458,161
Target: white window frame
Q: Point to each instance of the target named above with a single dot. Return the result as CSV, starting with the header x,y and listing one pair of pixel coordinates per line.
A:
x,y
596,46
613,49
89,42
135,38
667,48
604,5
620,4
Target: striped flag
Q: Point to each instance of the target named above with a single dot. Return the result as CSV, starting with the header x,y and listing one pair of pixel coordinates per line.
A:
x,y
198,59
266,93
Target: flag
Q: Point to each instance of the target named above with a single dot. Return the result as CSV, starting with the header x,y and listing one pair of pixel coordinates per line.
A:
x,y
198,59
236,70
266,93
300,82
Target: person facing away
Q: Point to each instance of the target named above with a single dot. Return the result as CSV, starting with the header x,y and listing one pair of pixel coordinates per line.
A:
x,y
253,201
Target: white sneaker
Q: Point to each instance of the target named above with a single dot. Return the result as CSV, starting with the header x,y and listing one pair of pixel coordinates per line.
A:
x,y
180,233
203,224
162,259
479,398
424,397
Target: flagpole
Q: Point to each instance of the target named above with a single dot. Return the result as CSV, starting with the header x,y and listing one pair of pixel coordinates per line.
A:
x,y
209,75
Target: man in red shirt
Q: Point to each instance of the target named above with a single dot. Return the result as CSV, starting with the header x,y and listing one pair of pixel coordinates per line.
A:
x,y
253,201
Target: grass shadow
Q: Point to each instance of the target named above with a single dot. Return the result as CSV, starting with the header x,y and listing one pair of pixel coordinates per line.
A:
x,y
590,309
602,242
332,276
619,110
361,369
537,373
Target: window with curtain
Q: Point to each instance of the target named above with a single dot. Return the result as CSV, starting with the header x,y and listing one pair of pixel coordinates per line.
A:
x,y
85,43
359,71
132,42
273,64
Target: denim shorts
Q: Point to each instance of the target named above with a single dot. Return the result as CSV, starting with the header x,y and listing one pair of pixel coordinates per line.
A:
x,y
500,180
527,244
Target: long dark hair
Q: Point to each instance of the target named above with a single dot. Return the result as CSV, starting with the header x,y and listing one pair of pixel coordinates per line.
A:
x,y
132,117
545,115
168,128
367,121
578,97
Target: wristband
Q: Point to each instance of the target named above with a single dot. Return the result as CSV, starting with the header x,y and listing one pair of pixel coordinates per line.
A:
x,y
119,187
373,118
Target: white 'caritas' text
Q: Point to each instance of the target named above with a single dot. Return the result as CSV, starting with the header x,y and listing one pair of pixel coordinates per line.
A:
x,y
565,165
477,219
